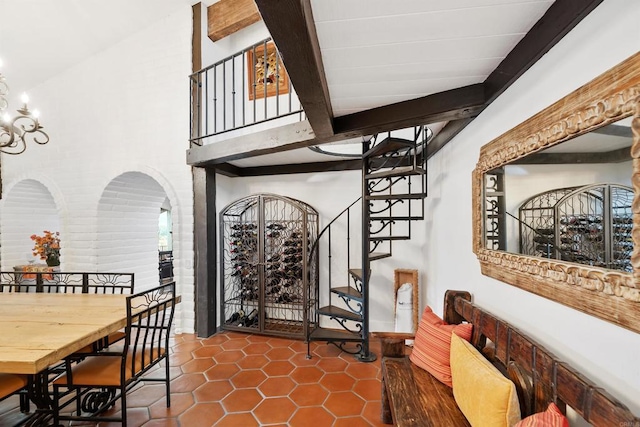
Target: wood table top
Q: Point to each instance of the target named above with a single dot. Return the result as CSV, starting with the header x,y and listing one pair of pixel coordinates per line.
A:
x,y
40,329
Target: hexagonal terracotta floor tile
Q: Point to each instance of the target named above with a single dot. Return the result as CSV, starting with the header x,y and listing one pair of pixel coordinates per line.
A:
x,y
248,378
258,338
274,410
236,344
180,402
207,351
363,370
222,371
315,416
371,413
202,415
279,342
278,386
164,422
146,395
198,365
278,368
368,389
351,422
300,359
241,400
213,391
215,339
257,348
309,395
344,404
337,381
306,374
187,383
254,361
327,351
187,346
245,419
332,364
178,359
280,353
229,356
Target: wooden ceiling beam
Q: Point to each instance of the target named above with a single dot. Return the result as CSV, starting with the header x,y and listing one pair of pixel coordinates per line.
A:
x,y
454,104
292,29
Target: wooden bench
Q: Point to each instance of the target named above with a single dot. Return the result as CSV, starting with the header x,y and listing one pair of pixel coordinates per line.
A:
x,y
412,397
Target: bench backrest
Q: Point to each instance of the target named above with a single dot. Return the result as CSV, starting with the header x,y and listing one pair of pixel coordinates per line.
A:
x,y
539,375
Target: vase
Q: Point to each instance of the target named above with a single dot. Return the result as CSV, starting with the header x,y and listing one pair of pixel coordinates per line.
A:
x,y
53,260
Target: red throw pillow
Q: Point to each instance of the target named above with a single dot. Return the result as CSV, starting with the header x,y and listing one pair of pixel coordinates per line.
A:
x,y
432,345
552,417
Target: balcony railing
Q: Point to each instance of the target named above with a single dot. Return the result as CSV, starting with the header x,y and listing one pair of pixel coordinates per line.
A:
x,y
66,282
244,89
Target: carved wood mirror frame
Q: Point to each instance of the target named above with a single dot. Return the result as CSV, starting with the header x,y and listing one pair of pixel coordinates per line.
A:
x,y
608,294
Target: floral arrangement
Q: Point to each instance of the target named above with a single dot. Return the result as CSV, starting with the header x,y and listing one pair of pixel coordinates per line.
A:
x,y
47,247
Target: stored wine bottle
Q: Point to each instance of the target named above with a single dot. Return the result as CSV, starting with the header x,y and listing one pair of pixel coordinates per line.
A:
x,y
251,318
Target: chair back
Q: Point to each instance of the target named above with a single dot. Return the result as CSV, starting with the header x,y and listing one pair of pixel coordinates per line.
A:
x,y
149,318
67,283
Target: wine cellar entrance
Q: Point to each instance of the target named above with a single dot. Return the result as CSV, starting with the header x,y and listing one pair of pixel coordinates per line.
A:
x,y
269,286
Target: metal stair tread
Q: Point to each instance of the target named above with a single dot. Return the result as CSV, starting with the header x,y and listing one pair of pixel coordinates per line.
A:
x,y
378,255
334,311
401,171
325,334
396,196
388,145
348,292
386,238
396,218
356,272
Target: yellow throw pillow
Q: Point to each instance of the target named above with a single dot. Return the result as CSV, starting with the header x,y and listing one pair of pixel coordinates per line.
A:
x,y
485,396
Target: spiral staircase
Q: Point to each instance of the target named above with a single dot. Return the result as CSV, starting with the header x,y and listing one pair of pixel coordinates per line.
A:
x,y
393,191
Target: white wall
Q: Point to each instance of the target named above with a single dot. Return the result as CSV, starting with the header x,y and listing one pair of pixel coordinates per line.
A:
x,y
122,110
606,353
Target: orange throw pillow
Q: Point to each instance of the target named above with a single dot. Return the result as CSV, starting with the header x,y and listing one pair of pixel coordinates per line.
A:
x,y
552,417
432,345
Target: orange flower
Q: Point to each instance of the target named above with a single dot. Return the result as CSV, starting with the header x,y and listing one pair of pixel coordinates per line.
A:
x,y
46,245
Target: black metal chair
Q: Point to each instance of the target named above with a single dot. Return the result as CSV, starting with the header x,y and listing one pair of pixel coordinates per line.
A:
x,y
115,370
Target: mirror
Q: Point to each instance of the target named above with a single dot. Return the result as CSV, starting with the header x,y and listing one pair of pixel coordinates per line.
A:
x,y
555,212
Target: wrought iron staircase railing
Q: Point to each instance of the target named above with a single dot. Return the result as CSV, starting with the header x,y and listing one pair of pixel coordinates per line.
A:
x,y
393,182
247,88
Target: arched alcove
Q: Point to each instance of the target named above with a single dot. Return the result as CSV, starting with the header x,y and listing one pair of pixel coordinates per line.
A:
x,y
27,208
127,231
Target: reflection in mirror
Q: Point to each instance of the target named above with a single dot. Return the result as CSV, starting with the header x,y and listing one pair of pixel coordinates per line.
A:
x,y
569,202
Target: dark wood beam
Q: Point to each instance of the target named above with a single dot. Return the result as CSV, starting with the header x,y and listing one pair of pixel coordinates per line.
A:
x,y
615,156
315,167
290,23
205,243
445,135
227,169
454,104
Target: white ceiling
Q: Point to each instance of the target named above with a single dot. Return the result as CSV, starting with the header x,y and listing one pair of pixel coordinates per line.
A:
x,y
377,52
41,38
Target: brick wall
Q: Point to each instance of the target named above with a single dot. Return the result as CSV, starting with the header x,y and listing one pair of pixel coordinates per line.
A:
x,y
119,128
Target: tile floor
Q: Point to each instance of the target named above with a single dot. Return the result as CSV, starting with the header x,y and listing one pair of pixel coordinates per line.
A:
x,y
234,379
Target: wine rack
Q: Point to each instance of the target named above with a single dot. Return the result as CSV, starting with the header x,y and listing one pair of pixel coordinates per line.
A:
x,y
586,225
269,283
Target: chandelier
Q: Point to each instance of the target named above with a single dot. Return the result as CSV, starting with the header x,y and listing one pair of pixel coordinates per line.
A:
x,y
16,131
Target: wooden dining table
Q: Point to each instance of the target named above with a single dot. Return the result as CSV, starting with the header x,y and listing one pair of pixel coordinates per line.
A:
x,y
38,330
